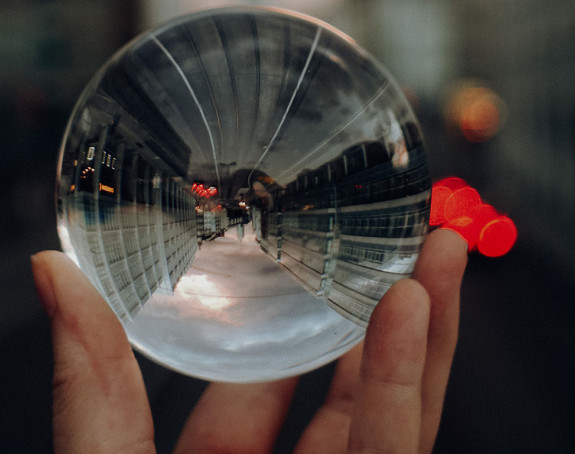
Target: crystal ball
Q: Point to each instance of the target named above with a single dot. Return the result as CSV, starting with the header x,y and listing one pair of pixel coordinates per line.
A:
x,y
242,185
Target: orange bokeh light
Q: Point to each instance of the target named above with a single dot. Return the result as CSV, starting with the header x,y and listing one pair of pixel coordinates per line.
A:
x,y
480,120
475,110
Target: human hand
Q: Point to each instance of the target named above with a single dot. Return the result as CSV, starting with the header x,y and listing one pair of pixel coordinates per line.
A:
x,y
386,395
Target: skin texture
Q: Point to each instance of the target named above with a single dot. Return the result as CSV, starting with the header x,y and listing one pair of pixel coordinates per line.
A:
x,y
386,395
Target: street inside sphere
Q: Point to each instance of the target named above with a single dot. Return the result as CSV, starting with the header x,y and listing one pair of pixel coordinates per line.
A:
x,y
242,185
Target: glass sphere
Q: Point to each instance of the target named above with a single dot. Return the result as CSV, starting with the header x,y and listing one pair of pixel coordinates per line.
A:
x,y
242,185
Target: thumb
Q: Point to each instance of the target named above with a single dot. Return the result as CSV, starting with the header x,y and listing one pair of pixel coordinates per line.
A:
x,y
100,402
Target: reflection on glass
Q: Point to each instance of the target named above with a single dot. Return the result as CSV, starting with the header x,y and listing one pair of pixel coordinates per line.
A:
x,y
242,186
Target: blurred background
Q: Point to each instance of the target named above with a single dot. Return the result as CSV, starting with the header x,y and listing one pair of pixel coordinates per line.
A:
x,y
492,83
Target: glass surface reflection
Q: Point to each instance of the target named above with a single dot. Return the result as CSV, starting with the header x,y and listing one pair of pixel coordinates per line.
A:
x,y
242,185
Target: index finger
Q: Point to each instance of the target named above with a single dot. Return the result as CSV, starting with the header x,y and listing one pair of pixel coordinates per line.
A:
x,y
387,415
440,270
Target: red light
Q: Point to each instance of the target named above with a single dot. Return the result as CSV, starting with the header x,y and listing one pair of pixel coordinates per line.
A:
x,y
453,183
497,237
457,206
469,226
439,195
440,192
481,214
460,203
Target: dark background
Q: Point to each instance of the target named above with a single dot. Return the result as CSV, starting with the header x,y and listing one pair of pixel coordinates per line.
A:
x,y
512,383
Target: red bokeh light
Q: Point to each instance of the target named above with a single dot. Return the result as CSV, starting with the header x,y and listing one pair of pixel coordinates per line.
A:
x,y
453,183
497,237
457,206
460,203
439,195
470,224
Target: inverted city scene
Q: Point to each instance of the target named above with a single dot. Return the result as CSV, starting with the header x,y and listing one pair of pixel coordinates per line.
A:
x,y
242,185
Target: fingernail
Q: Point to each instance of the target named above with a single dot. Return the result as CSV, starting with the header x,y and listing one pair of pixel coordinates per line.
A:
x,y
44,287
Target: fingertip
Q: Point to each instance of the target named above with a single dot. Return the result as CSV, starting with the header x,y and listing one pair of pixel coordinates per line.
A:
x,y
407,296
440,269
457,235
388,407
41,264
443,257
449,239
69,297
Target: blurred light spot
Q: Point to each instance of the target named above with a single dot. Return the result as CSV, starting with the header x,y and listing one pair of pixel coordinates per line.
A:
x,y
475,110
453,183
472,222
497,237
480,119
481,214
440,192
460,203
458,207
439,195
